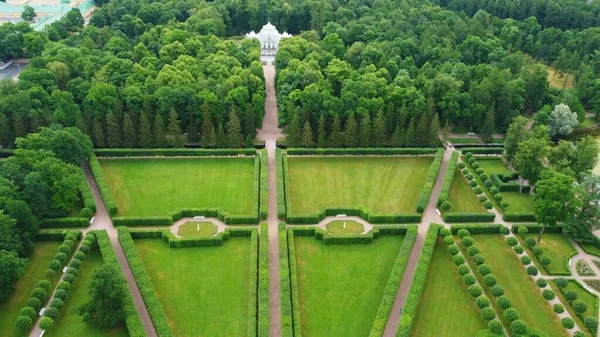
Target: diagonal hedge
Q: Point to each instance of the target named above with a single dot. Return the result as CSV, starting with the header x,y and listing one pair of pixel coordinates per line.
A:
x,y
86,193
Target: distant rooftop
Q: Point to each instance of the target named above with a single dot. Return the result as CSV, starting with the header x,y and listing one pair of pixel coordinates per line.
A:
x,y
48,11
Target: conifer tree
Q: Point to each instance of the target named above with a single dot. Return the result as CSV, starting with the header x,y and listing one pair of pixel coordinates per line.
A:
x,y
293,129
250,123
98,133
487,128
335,137
446,132
175,138
365,131
129,134
79,123
403,117
249,142
307,135
379,134
410,140
321,134
422,131
193,136
207,132
221,140
234,130
434,131
113,131
395,141
351,132
160,140
145,131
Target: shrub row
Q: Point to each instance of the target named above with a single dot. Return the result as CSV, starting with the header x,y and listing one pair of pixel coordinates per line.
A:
x,y
256,192
170,218
264,185
518,216
482,150
286,187
217,240
65,222
252,315
294,284
476,229
480,173
468,217
448,178
154,306
173,152
389,295
362,151
132,320
86,193
287,324
504,186
52,235
280,185
590,322
107,196
434,169
263,281
535,228
373,218
537,252
418,282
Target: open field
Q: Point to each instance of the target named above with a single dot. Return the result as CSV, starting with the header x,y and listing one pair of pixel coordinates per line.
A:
x,y
445,304
519,286
341,286
492,165
558,81
461,195
38,263
194,229
557,247
147,187
203,290
582,295
69,323
380,184
352,227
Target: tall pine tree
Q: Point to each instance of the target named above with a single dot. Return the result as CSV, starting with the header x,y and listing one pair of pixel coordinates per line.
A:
x,y
160,132
6,138
250,123
434,131
487,128
221,140
365,131
321,133
145,131
175,138
307,136
129,134
293,129
98,133
351,131
113,131
422,131
379,130
193,136
335,137
410,139
207,132
234,130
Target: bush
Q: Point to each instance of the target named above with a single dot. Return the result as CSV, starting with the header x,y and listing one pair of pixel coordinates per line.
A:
x,y
482,302
488,205
489,280
463,270
72,271
444,232
567,323
465,171
475,290
578,334
57,303
488,183
44,284
86,213
498,197
51,312
458,260
497,290
461,165
453,249
475,165
39,293
571,295
482,198
46,323
28,311
24,323
537,250
63,285
511,314
469,177
483,177
495,326
467,241
69,278
580,307
468,155
61,257
473,250
79,255
545,260
471,160
35,303
469,279
525,260
561,282
468,217
55,265
50,273
512,241
478,258
484,269
488,313
61,294
532,270
504,230
504,205
530,241
449,240
446,205
64,249
84,249
558,308
548,294
518,249
504,302
590,323
473,183
494,190
542,283
519,327
479,171
75,263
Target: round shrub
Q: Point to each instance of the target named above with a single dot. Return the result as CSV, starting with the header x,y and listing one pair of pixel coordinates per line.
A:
x,y
488,183
75,263
482,198
91,238
69,243
24,323
530,242
497,290
51,312
548,294
46,323
504,205
471,159
495,326
498,197
28,311
463,232
494,190
68,278
570,295
481,301
542,283
478,258
475,290
504,302
488,313
580,307
511,314
72,237
561,282
86,212
465,171
590,323
84,249
44,284
472,183
63,285
525,260
448,240
453,249
545,260
522,230
537,250
483,177
79,255
86,243
446,205
567,323
488,205
578,334
469,177
489,280
512,241
467,241
62,257
475,165
39,293
519,327
64,249
469,279
61,294
461,165
479,171
35,303
72,271
558,308
468,155
444,232
473,250
55,265
484,269
518,249
458,260
477,190
532,270
504,230
50,273
57,303
463,270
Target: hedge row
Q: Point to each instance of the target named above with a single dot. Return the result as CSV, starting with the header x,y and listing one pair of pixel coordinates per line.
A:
x,y
476,229
155,309
132,320
52,235
217,240
286,187
583,318
256,191
418,282
448,178
65,222
468,217
501,182
538,257
434,169
374,218
334,239
173,152
477,173
107,196
264,185
362,151
482,150
389,295
294,284
518,216
252,319
263,281
280,185
287,321
170,218
536,228
86,193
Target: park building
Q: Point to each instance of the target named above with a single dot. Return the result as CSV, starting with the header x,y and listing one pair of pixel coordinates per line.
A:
x,y
47,11
269,38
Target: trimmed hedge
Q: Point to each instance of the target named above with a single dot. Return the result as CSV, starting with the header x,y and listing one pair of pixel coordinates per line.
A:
x,y
217,240
170,218
482,150
416,287
78,222
535,228
264,185
107,196
448,178
173,152
504,186
518,216
284,283
256,191
468,217
280,185
86,193
252,318
286,187
263,281
154,306
361,151
434,169
374,218
293,270
476,229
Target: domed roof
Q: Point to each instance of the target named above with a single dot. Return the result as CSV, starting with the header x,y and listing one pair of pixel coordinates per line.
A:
x,y
269,28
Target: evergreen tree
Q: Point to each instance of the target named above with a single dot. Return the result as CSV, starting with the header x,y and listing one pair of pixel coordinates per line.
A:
x,y
234,130
207,132
250,123
221,140
293,129
395,141
175,138
98,133
351,132
487,128
113,131
434,131
193,136
129,134
409,140
403,117
335,137
321,134
79,123
446,132
365,131
6,138
422,132
160,140
249,142
379,132
307,135
145,131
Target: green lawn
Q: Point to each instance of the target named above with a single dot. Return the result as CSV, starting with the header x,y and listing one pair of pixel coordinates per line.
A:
x,y
461,195
77,207
352,227
492,165
519,286
464,140
590,248
518,202
381,184
38,263
194,229
69,323
147,187
557,247
444,299
586,123
341,286
498,140
203,290
582,295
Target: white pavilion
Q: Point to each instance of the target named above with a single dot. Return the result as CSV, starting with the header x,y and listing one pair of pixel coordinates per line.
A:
x,y
269,39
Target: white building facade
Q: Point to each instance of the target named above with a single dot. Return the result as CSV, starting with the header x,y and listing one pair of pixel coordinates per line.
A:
x,y
269,39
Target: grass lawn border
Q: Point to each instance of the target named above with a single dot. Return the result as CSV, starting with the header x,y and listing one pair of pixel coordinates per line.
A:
x,y
579,318
536,259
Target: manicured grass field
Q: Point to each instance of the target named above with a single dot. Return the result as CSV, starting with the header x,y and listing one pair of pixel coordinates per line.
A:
x,y
69,323
518,202
464,140
381,184
194,229
203,290
519,286
492,165
445,304
352,227
461,195
147,187
582,295
38,263
341,286
557,247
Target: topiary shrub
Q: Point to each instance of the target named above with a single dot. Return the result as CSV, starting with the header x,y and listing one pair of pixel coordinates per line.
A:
x,y
39,293
525,260
75,263
69,278
79,255
567,323
458,260
498,197
488,183
64,249
471,160
469,177
453,249
532,270
479,171
477,190
446,205
504,302
86,213
463,270
519,327
545,260
72,271
465,171
462,233
482,198
537,250
518,249
44,284
461,165
84,249
481,301
62,257
473,250
489,280
57,303
504,230
504,205
472,183
475,290
578,334
23,323
467,241
591,323
444,232
54,265
530,242
488,313
494,190
548,294
46,323
35,303
448,240
571,295
478,258
70,243
483,177
468,155
61,294
512,241
469,279
28,311
542,283
475,165
558,308
484,269
511,314
561,282
488,205
51,312
495,326
580,307
497,290
522,230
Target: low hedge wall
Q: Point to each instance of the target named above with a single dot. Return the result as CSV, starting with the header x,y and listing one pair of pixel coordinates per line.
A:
x,y
281,197
418,282
536,228
154,306
391,289
287,321
503,186
264,185
86,193
585,248
173,152
294,284
109,199
263,281
256,190
468,217
361,151
252,315
286,186
448,178
482,150
518,216
53,235
476,229
78,222
334,239
434,169
131,221
170,218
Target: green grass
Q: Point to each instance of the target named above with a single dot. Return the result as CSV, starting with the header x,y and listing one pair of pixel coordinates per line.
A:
x,y
38,263
444,297
587,122
498,141
461,195
380,184
518,202
519,286
148,187
77,207
203,290
195,229
582,295
492,165
341,286
590,248
352,227
464,140
69,323
557,247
